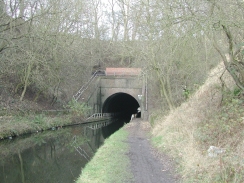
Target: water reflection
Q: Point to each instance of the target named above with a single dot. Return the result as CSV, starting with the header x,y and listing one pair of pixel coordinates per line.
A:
x,y
51,157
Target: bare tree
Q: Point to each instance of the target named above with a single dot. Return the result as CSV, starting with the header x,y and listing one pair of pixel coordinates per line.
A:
x,y
227,30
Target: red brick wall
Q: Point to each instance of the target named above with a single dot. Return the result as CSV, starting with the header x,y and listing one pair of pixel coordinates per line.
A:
x,y
123,71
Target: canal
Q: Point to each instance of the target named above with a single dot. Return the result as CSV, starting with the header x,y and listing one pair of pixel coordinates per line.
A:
x,y
55,156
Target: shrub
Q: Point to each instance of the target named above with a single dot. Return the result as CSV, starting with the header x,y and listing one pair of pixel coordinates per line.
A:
x,y
78,109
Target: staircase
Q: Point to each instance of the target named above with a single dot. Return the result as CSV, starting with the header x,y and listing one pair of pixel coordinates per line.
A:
x,y
81,91
86,92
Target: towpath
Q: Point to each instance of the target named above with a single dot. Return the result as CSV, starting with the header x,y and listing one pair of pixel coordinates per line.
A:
x,y
147,164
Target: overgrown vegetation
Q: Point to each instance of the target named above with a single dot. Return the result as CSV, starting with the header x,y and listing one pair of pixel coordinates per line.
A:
x,y
225,129
17,122
49,48
110,164
78,110
209,118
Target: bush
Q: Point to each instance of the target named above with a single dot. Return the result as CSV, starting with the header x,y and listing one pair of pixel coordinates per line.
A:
x,y
77,109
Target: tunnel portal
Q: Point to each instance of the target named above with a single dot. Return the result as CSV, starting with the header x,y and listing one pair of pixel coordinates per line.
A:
x,y
122,103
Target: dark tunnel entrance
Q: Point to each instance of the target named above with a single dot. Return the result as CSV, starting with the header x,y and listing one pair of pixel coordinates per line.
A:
x,y
122,103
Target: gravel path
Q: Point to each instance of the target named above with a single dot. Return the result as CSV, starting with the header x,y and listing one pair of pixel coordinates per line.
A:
x,y
147,164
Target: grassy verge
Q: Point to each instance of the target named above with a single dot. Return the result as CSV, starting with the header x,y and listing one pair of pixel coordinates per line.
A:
x,y
17,124
17,118
205,120
110,164
188,143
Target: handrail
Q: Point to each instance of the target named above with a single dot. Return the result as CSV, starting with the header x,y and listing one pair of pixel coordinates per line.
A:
x,y
101,115
85,86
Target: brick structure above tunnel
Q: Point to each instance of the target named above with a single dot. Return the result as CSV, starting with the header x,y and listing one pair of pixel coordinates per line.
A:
x,y
119,89
122,71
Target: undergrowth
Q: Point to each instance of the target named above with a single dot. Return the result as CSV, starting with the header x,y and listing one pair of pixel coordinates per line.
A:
x,y
18,122
226,130
78,110
206,119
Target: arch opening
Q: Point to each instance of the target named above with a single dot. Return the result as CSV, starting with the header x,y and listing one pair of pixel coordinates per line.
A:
x,y
122,103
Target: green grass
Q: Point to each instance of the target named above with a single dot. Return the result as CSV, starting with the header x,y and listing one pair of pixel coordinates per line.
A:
x,y
110,164
17,124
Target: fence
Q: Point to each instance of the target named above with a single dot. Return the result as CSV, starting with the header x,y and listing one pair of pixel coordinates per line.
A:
x,y
102,115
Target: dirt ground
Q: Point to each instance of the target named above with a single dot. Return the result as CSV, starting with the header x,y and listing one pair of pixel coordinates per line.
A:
x,y
147,164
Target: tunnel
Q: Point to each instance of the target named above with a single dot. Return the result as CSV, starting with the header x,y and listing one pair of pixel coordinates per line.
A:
x,y
121,103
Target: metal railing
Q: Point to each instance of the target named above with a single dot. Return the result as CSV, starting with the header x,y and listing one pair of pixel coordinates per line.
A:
x,y
86,85
102,115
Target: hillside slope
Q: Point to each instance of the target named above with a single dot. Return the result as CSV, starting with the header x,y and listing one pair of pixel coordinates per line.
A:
x,y
211,117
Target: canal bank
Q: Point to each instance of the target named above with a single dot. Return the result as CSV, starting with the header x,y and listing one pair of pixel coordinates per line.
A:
x,y
52,156
128,156
110,163
16,125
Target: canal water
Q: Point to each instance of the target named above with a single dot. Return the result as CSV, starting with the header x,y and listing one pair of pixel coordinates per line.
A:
x,y
55,156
